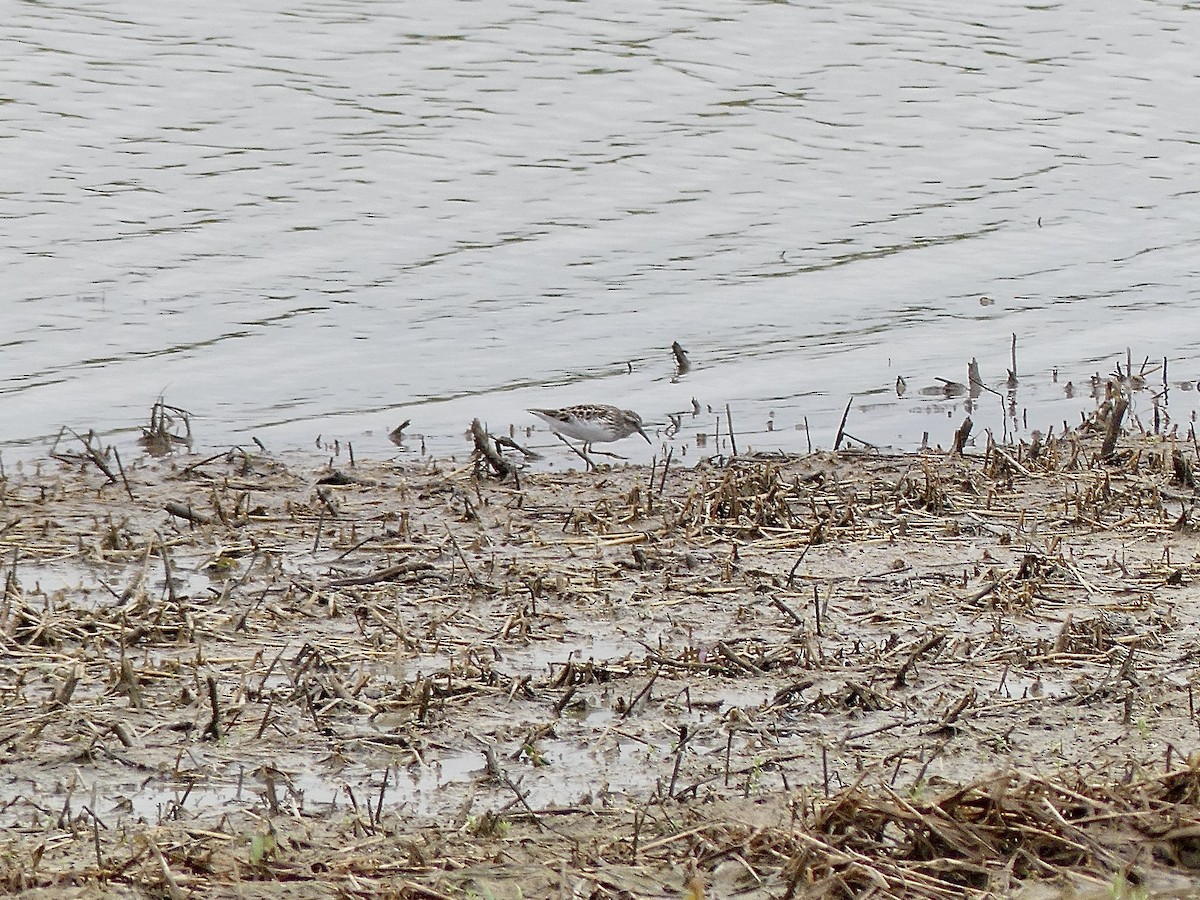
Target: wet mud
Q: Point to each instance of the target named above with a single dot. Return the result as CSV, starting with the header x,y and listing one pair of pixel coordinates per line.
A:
x,y
852,674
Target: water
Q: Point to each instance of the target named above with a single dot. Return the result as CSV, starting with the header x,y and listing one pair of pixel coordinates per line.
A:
x,y
322,219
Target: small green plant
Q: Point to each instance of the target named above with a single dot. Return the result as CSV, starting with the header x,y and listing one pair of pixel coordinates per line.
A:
x,y
754,778
490,824
1122,889
263,846
535,756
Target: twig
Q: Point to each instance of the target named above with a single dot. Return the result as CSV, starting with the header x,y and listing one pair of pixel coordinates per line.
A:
x,y
487,452
796,564
213,728
320,526
784,608
580,453
466,565
166,558
925,646
185,511
684,735
817,609
642,693
564,700
1113,431
737,659
961,435
382,789
391,573
191,467
121,469
173,888
1008,458
837,441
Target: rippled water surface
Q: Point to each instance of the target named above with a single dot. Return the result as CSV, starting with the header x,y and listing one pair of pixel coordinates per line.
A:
x,y
323,218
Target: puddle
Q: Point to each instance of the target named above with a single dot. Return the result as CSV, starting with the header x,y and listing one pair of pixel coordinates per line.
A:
x,y
1015,686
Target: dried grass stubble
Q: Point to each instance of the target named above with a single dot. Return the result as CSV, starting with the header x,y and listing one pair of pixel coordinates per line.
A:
x,y
299,649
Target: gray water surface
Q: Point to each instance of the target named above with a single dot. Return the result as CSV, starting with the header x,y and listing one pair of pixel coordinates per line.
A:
x,y
323,218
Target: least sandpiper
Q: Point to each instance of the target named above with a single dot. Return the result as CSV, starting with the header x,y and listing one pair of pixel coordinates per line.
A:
x,y
593,423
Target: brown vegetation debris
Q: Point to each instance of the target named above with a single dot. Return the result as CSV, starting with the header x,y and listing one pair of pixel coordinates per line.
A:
x,y
253,674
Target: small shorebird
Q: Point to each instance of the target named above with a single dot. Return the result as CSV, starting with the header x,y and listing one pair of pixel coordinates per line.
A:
x,y
592,423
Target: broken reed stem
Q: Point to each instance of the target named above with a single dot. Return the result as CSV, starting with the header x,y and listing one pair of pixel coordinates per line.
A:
x,y
121,469
817,609
639,817
924,647
683,739
166,559
682,364
642,693
96,829
486,450
185,511
173,889
97,458
960,437
787,610
1113,431
213,728
732,436
387,770
320,525
262,726
796,564
737,659
564,700
587,460
462,556
825,769
837,441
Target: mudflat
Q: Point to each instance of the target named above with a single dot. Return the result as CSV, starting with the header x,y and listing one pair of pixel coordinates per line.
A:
x,y
843,675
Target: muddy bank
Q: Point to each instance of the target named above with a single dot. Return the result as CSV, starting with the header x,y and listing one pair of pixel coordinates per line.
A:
x,y
913,675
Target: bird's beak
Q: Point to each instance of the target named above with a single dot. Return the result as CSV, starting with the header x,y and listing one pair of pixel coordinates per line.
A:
x,y
643,434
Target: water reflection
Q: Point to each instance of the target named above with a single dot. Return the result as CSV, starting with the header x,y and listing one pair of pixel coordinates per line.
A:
x,y
329,218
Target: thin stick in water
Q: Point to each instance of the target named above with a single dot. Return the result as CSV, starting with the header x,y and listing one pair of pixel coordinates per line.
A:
x,y
837,442
125,481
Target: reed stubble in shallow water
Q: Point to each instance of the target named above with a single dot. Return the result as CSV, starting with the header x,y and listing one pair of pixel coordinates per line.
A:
x,y
933,612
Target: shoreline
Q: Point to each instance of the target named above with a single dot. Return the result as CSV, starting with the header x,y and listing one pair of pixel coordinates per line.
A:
x,y
926,674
